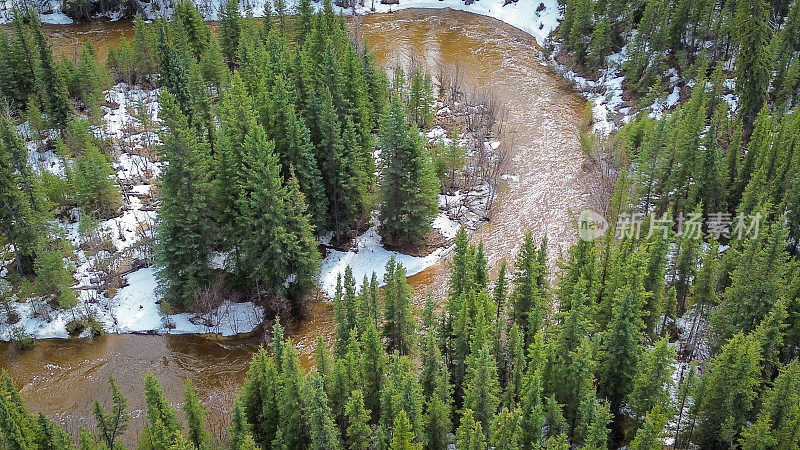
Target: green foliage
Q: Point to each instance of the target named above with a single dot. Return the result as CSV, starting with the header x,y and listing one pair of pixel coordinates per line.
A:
x,y
184,238
323,432
729,391
408,183
112,425
648,437
195,418
358,435
95,191
163,429
400,323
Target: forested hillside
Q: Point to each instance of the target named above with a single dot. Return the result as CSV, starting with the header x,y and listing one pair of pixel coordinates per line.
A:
x,y
673,321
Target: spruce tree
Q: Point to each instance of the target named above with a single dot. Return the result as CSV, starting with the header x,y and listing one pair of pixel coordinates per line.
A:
x,y
401,394
482,388
277,250
184,238
163,427
506,431
756,284
529,296
295,151
652,381
648,437
469,435
24,213
49,79
320,419
112,425
229,29
195,418
358,435
373,364
729,392
752,60
402,434
19,429
399,326
621,346
292,425
408,184
259,397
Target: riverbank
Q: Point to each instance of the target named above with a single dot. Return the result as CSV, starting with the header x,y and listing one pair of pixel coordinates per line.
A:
x,y
536,17
127,300
545,189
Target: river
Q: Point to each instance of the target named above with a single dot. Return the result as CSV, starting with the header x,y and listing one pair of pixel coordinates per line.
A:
x,y
548,187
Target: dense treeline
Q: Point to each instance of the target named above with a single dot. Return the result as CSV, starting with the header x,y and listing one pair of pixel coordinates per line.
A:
x,y
267,135
653,334
756,41
280,150
520,364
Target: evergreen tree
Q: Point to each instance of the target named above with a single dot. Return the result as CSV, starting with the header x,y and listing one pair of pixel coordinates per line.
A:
x,y
648,437
51,436
358,435
400,324
295,151
183,234
469,435
438,409
238,436
779,417
19,428
621,346
113,424
408,185
401,395
373,364
49,80
729,392
278,252
195,418
258,399
345,310
291,424
529,296
756,284
92,177
402,434
752,60
506,432
482,388
194,28
532,410
163,427
229,30
652,381
323,431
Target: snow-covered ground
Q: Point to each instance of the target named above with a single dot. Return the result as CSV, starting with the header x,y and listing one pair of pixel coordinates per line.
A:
x,y
135,306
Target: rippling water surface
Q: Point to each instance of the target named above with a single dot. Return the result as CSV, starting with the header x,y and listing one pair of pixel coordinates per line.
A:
x,y
63,377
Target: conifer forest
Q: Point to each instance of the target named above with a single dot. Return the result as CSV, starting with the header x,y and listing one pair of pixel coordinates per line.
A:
x,y
595,243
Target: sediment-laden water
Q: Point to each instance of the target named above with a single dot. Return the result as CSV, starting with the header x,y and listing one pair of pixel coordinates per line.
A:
x,y
546,189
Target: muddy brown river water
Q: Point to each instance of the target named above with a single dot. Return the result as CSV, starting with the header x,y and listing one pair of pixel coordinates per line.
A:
x,y
548,188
